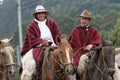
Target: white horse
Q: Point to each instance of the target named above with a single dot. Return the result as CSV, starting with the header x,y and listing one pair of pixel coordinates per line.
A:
x,y
28,65
117,72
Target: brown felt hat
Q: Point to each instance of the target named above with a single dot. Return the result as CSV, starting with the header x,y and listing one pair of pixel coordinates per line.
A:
x,y
86,13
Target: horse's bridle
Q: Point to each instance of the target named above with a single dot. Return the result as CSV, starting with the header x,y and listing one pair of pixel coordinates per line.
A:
x,y
64,65
61,64
5,46
107,69
76,53
7,65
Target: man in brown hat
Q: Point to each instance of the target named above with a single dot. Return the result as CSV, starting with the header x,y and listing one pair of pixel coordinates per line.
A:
x,y
84,37
40,33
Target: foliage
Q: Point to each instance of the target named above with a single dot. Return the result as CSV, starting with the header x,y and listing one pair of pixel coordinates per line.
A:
x,y
116,32
64,12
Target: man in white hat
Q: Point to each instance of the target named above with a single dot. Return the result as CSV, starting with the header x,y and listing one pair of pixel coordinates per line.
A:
x,y
41,31
84,37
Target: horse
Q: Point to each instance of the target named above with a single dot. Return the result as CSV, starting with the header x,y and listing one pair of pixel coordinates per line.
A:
x,y
117,72
28,71
102,63
7,59
117,50
117,56
58,61
117,64
63,53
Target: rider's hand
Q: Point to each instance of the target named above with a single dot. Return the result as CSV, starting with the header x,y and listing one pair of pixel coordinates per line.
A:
x,y
45,43
89,47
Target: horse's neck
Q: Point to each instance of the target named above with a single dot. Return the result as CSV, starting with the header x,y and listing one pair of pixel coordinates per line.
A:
x,y
2,72
100,60
95,61
94,58
3,76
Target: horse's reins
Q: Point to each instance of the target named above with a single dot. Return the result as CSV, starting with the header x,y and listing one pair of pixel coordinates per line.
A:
x,y
61,64
106,66
51,68
62,74
64,64
76,53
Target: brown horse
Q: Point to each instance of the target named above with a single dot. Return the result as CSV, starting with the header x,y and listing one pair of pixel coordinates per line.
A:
x,y
102,64
57,63
7,60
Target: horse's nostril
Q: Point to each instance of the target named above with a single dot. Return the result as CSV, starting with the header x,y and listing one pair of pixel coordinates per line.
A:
x,y
10,72
111,72
67,71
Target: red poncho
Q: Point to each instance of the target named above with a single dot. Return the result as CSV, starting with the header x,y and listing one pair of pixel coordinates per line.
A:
x,y
81,38
32,38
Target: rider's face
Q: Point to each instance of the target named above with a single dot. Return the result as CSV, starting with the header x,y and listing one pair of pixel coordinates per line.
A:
x,y
84,21
41,16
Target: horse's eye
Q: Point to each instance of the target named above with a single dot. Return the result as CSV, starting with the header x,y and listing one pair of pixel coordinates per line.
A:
x,y
60,52
2,54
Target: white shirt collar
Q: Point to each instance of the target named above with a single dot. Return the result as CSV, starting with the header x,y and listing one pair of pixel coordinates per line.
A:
x,y
40,21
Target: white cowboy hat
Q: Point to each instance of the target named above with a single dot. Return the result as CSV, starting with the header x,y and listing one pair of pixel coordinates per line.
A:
x,y
40,8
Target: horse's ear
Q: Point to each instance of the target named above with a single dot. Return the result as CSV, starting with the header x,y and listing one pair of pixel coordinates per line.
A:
x,y
103,42
11,40
114,41
69,39
58,40
0,41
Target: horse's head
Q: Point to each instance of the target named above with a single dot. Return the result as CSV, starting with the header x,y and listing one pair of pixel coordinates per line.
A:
x,y
108,43
7,56
108,54
65,54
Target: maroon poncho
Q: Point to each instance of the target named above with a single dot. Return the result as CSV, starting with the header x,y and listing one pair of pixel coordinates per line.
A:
x,y
81,37
32,38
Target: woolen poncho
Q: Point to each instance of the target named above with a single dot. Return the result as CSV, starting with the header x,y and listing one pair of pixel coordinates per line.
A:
x,y
32,39
81,37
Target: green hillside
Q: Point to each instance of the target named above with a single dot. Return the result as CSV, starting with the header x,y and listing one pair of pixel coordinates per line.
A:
x,y
64,12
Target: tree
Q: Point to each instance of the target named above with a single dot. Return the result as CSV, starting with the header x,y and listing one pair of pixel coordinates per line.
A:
x,y
116,32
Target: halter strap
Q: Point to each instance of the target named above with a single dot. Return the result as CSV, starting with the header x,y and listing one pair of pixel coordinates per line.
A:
x,y
106,66
4,46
